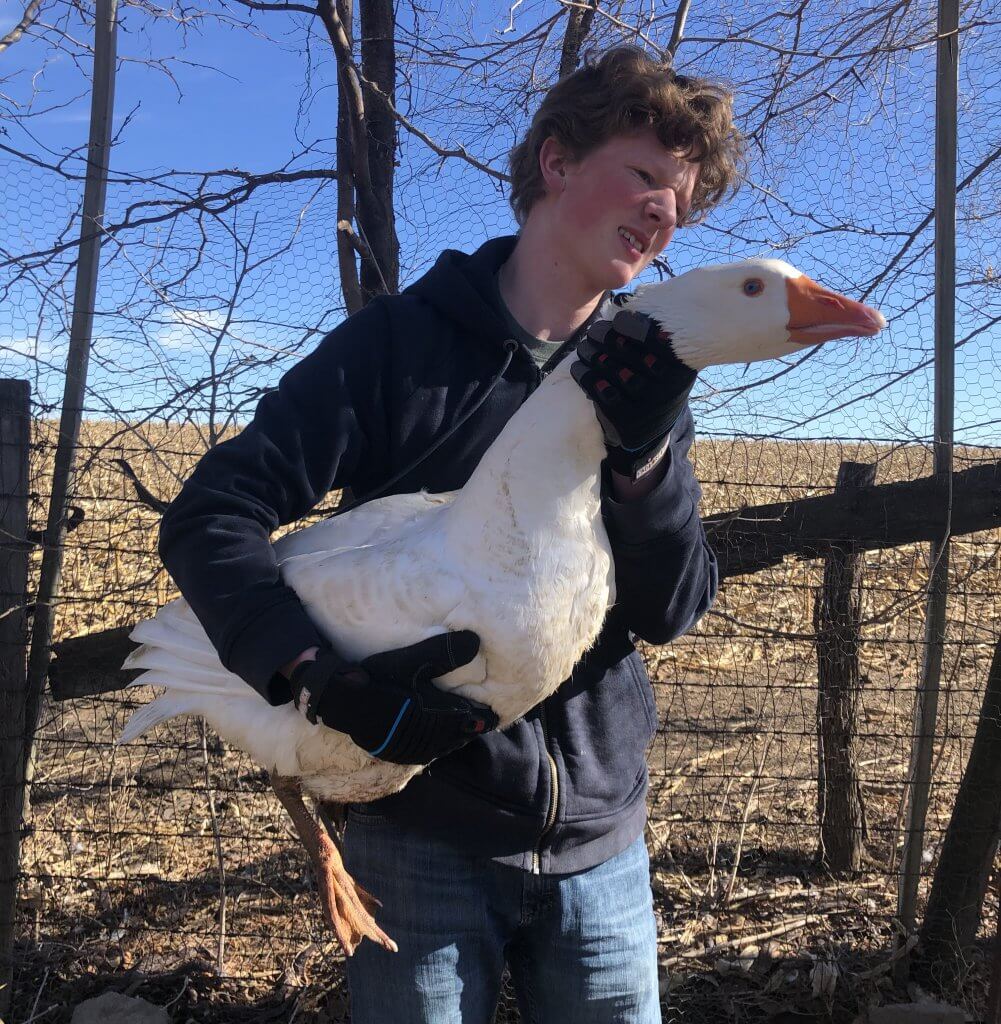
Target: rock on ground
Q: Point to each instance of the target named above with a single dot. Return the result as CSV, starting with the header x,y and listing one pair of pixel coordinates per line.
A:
x,y
114,1008
916,1013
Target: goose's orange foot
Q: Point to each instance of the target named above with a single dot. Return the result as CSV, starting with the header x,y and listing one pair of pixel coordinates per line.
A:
x,y
347,907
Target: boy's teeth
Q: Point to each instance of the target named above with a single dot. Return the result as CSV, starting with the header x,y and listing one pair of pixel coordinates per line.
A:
x,y
631,239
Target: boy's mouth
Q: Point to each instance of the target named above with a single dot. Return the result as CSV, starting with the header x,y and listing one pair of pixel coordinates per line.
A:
x,y
634,243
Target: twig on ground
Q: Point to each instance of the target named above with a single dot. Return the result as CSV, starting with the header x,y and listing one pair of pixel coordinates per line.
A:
x,y
750,940
220,861
745,814
781,894
904,950
39,1016
38,995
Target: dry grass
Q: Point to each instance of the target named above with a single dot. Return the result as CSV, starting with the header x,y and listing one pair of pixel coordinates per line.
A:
x,y
121,867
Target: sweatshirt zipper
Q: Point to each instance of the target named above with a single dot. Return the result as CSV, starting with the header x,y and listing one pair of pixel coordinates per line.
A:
x,y
554,782
554,795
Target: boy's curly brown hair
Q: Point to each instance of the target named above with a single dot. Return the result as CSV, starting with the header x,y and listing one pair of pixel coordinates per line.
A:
x,y
623,91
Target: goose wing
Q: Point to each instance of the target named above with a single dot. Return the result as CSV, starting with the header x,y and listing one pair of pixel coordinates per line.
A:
x,y
398,589
177,654
366,524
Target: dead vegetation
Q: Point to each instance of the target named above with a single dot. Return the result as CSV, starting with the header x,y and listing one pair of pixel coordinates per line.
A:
x,y
128,851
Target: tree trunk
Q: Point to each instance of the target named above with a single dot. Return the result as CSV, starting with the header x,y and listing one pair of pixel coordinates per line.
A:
x,y
372,235
836,618
579,21
971,840
376,215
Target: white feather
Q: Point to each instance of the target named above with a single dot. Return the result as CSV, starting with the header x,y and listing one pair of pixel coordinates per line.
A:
x,y
166,706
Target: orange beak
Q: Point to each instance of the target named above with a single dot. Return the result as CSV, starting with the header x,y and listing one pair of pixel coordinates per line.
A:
x,y
817,314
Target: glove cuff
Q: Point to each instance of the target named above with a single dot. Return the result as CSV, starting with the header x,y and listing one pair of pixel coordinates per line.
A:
x,y
636,464
310,679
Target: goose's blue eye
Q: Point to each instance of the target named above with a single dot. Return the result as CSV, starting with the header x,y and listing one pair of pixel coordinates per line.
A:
x,y
754,286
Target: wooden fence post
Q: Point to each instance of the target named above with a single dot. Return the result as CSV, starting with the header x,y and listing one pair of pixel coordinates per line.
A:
x,y
15,425
836,618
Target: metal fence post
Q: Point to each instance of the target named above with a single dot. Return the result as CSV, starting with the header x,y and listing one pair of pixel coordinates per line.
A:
x,y
15,431
81,327
926,701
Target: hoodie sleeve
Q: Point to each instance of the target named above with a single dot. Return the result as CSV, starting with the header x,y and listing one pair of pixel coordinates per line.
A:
x,y
665,572
311,435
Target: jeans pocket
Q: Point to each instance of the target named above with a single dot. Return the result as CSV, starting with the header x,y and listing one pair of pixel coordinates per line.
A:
x,y
358,814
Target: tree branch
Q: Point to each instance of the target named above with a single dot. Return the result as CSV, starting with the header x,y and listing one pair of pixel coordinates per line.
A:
x,y
429,142
348,76
346,237
27,20
885,516
680,17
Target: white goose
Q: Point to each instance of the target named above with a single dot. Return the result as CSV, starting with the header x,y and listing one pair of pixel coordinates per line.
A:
x,y
519,555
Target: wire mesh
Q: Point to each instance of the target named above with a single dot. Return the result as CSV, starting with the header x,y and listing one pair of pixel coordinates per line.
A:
x,y
211,287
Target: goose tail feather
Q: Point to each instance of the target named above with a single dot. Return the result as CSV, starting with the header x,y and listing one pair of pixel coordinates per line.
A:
x,y
166,706
176,653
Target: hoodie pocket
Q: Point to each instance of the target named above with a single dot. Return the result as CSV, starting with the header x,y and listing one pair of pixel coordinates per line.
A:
x,y
642,683
603,730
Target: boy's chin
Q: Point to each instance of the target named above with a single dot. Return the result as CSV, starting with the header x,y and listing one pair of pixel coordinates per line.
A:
x,y
621,274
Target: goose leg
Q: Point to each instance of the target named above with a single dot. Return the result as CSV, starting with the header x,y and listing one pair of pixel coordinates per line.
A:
x,y
347,907
334,817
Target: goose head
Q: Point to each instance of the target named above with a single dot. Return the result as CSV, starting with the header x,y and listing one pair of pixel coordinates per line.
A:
x,y
748,311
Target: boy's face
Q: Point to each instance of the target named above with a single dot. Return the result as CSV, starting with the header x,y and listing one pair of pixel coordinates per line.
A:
x,y
630,185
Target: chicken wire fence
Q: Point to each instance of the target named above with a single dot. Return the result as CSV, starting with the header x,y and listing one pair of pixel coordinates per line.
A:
x,y
171,857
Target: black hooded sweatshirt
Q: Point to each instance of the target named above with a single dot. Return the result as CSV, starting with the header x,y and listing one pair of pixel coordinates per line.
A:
x,y
561,789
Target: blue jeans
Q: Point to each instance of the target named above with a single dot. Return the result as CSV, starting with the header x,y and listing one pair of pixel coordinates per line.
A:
x,y
581,948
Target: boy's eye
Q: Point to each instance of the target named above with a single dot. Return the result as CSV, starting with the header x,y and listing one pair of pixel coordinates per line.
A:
x,y
643,174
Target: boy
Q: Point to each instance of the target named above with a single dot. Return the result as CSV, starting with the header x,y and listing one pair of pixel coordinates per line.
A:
x,y
525,847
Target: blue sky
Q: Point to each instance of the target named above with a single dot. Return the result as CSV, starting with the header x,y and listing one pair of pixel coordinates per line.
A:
x,y
237,107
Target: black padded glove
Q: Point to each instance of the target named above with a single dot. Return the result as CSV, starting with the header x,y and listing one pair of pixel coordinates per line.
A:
x,y
387,703
638,385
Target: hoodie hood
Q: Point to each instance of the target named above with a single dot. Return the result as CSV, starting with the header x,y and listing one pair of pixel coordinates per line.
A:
x,y
462,287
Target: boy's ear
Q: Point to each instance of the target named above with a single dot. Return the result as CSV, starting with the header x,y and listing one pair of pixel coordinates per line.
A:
x,y
553,161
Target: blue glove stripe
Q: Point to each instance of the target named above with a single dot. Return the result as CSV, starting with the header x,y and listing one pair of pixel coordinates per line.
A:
x,y
385,743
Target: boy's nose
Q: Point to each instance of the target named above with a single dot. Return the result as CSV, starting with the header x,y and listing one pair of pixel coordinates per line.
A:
x,y
662,209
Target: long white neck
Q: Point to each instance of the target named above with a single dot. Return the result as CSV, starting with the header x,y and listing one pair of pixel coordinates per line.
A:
x,y
539,477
